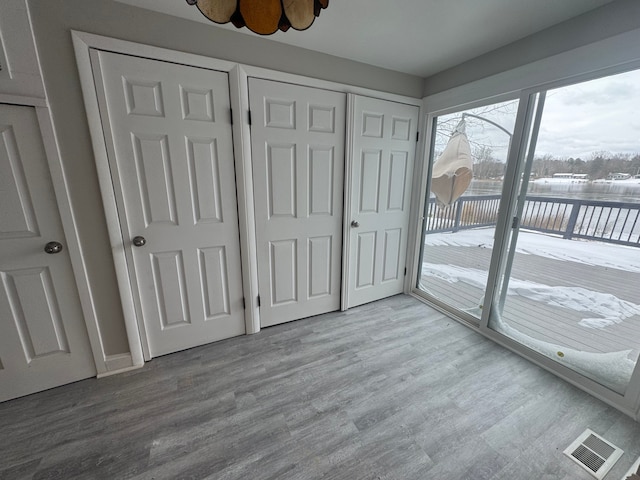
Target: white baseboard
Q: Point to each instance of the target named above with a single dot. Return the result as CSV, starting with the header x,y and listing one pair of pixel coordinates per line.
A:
x,y
119,363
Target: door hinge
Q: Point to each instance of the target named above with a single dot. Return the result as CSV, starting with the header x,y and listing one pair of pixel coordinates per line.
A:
x,y
258,300
249,116
514,222
405,271
231,114
417,136
244,304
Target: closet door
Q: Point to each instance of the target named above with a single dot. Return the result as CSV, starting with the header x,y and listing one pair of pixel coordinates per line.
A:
x,y
297,138
43,338
384,146
168,130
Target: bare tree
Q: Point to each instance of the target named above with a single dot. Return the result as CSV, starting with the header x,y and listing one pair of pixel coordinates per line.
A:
x,y
481,135
485,165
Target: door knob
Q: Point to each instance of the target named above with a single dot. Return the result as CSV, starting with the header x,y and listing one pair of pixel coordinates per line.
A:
x,y
53,247
139,241
354,224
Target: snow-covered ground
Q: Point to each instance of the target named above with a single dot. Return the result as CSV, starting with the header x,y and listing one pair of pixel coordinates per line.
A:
x,y
560,181
531,243
606,309
600,310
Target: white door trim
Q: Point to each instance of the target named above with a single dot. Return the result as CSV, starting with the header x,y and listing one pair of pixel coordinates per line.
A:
x,y
109,187
239,92
22,100
348,210
108,199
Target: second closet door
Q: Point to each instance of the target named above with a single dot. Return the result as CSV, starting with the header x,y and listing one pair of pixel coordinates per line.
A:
x,y
297,139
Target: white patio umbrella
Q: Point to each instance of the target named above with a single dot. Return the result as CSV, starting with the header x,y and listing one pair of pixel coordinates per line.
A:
x,y
453,170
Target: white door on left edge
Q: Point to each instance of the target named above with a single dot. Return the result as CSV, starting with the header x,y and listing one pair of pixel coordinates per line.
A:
x,y
168,128
297,140
43,338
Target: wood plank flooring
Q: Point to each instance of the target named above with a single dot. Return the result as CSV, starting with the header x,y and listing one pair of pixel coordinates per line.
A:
x,y
389,390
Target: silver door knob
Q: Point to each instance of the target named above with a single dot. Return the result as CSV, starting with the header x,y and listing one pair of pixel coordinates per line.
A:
x,y
139,241
354,224
53,247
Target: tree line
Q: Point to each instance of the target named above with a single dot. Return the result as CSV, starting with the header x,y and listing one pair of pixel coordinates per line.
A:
x,y
598,166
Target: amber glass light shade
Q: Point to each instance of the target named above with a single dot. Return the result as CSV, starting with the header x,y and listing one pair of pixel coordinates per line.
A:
x,y
262,16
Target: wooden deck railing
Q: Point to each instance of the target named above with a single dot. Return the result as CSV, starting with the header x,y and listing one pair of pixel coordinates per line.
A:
x,y
604,221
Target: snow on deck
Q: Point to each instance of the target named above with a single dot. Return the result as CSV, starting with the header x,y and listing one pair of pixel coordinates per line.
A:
x,y
584,295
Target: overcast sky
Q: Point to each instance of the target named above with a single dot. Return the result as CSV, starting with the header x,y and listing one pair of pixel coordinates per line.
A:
x,y
602,114
578,120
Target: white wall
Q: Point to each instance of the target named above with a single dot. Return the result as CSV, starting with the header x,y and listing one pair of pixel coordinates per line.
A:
x,y
52,22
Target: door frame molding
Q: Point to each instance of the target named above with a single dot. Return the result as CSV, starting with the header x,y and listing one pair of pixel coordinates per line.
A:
x,y
83,43
346,206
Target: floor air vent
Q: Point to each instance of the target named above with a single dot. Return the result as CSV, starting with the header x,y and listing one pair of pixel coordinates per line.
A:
x,y
593,453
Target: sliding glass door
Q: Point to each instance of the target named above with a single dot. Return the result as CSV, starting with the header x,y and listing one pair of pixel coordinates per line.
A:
x,y
531,225
569,283
467,166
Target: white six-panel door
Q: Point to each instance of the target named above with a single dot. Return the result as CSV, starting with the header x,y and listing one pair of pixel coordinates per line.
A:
x,y
297,138
382,157
43,338
168,132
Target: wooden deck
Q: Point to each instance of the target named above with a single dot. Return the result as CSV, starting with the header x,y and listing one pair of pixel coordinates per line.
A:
x,y
551,323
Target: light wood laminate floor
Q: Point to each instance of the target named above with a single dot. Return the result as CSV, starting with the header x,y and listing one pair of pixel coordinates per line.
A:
x,y
389,390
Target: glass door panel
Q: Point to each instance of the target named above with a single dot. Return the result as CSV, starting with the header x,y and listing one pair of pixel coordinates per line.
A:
x,y
466,168
568,285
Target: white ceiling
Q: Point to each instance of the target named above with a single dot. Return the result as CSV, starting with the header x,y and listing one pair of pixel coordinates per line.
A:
x,y
421,37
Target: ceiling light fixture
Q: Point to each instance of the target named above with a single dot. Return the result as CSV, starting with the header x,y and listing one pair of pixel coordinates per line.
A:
x,y
262,16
